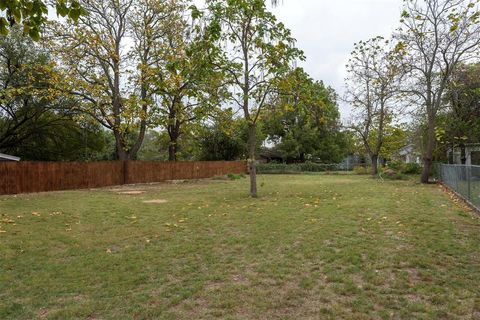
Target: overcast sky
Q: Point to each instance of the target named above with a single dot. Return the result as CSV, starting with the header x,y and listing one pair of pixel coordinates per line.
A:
x,y
326,31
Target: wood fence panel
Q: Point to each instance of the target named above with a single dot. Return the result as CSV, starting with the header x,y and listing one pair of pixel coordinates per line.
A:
x,y
27,177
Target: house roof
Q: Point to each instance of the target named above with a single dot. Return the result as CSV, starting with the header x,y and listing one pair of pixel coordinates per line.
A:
x,y
4,156
408,149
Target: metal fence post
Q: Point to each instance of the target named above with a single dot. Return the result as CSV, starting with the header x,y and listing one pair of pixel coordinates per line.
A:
x,y
469,182
457,179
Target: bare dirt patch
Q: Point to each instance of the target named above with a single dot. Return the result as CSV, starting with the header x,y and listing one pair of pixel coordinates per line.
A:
x,y
156,201
131,192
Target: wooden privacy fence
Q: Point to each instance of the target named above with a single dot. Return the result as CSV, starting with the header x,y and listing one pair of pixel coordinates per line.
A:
x,y
27,177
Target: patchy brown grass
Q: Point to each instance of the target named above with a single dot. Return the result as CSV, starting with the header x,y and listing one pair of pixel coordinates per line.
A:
x,y
311,247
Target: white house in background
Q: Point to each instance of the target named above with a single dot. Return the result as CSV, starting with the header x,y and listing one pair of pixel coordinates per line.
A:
x,y
472,154
6,157
408,154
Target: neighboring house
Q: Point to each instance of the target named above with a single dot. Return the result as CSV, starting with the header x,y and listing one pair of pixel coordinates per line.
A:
x,y
6,157
268,155
470,157
408,154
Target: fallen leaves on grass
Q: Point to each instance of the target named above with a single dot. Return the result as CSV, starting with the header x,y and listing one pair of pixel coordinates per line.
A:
x,y
456,199
7,221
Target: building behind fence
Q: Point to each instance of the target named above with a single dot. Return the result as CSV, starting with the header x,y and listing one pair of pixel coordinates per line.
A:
x,y
463,179
26,177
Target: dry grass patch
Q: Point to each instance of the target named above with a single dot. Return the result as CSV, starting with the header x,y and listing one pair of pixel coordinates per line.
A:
x,y
131,192
311,247
156,201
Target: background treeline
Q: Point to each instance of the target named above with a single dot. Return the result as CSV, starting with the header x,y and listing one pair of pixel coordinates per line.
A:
x,y
154,80
424,75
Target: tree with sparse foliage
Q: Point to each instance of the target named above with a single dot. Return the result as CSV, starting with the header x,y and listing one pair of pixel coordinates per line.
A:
x,y
460,123
437,36
105,57
258,50
372,84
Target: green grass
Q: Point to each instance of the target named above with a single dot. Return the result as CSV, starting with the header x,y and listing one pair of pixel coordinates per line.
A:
x,y
312,247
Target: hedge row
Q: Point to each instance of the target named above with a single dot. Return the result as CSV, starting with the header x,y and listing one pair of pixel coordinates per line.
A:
x,y
280,168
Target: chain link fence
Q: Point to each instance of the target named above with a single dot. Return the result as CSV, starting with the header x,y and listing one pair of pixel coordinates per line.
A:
x,y
463,179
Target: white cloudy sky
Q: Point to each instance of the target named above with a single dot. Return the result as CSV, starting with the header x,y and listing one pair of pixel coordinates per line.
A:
x,y
327,29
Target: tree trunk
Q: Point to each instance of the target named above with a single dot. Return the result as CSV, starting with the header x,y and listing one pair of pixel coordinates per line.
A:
x,y
172,150
463,156
252,145
374,158
174,134
120,152
428,154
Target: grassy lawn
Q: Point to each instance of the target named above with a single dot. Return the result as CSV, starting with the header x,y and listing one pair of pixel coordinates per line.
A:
x,y
312,247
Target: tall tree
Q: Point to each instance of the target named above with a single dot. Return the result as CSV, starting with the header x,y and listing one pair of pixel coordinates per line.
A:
x,y
187,82
372,83
437,36
106,72
258,50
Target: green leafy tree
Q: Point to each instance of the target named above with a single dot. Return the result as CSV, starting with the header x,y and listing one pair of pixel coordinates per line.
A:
x,y
219,143
32,14
186,80
303,120
395,137
38,122
258,50
106,57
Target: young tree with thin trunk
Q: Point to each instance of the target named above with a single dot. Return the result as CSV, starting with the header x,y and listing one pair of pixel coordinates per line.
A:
x,y
436,36
372,84
258,51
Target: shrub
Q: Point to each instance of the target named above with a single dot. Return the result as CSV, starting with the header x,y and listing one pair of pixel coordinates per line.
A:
x,y
277,168
391,174
234,176
220,178
411,168
281,168
362,170
396,165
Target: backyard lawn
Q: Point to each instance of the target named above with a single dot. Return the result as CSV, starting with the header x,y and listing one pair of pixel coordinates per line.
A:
x,y
311,247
